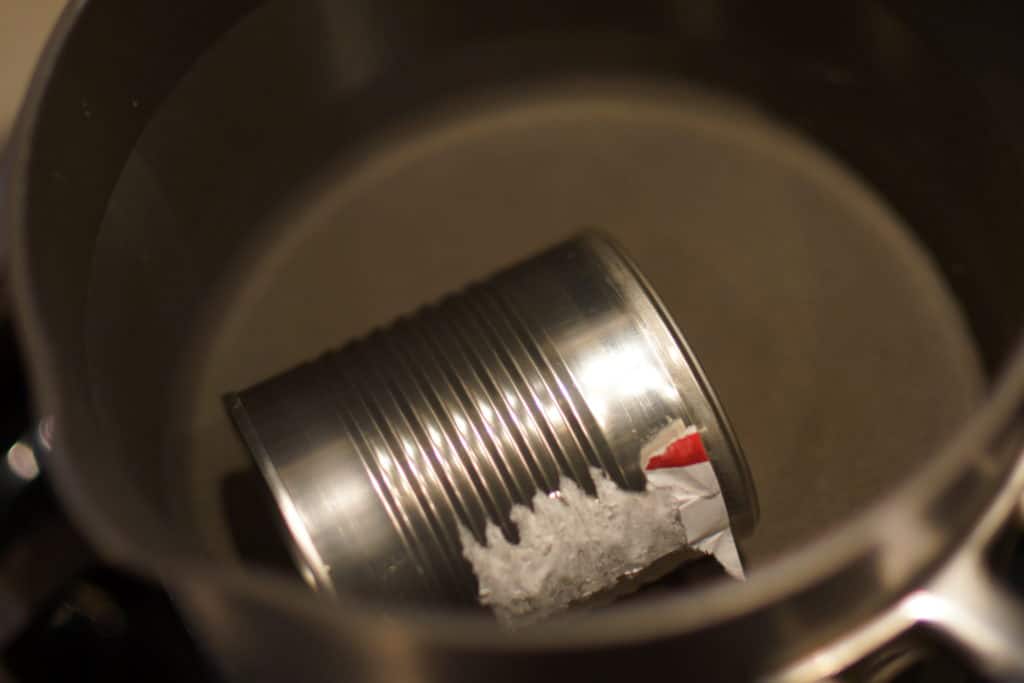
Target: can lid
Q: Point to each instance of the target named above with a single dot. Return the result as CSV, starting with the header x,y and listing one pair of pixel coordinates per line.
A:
x,y
314,570
696,391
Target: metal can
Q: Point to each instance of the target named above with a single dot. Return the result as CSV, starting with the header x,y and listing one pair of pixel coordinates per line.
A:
x,y
378,453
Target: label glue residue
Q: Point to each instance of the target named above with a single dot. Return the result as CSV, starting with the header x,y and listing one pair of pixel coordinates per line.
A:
x,y
573,546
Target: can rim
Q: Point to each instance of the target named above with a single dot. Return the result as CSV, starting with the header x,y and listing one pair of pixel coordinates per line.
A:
x,y
724,450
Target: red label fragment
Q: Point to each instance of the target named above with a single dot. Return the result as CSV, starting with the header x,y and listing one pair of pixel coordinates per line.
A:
x,y
689,450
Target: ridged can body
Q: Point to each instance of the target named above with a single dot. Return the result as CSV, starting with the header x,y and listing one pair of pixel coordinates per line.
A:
x,y
378,452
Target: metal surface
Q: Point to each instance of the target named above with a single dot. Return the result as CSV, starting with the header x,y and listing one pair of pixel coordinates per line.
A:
x,y
963,601
862,79
377,453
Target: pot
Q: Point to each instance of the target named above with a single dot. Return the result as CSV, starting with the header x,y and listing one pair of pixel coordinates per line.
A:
x,y
199,197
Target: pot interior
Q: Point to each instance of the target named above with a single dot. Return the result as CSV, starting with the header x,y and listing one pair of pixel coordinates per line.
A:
x,y
326,167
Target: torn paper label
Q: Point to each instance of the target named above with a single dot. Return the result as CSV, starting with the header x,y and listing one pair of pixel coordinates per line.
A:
x,y
573,546
677,465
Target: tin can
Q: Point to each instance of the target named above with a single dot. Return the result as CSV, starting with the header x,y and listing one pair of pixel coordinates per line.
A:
x,y
378,453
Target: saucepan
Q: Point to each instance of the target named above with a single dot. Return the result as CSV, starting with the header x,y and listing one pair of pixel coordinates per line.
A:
x,y
199,196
